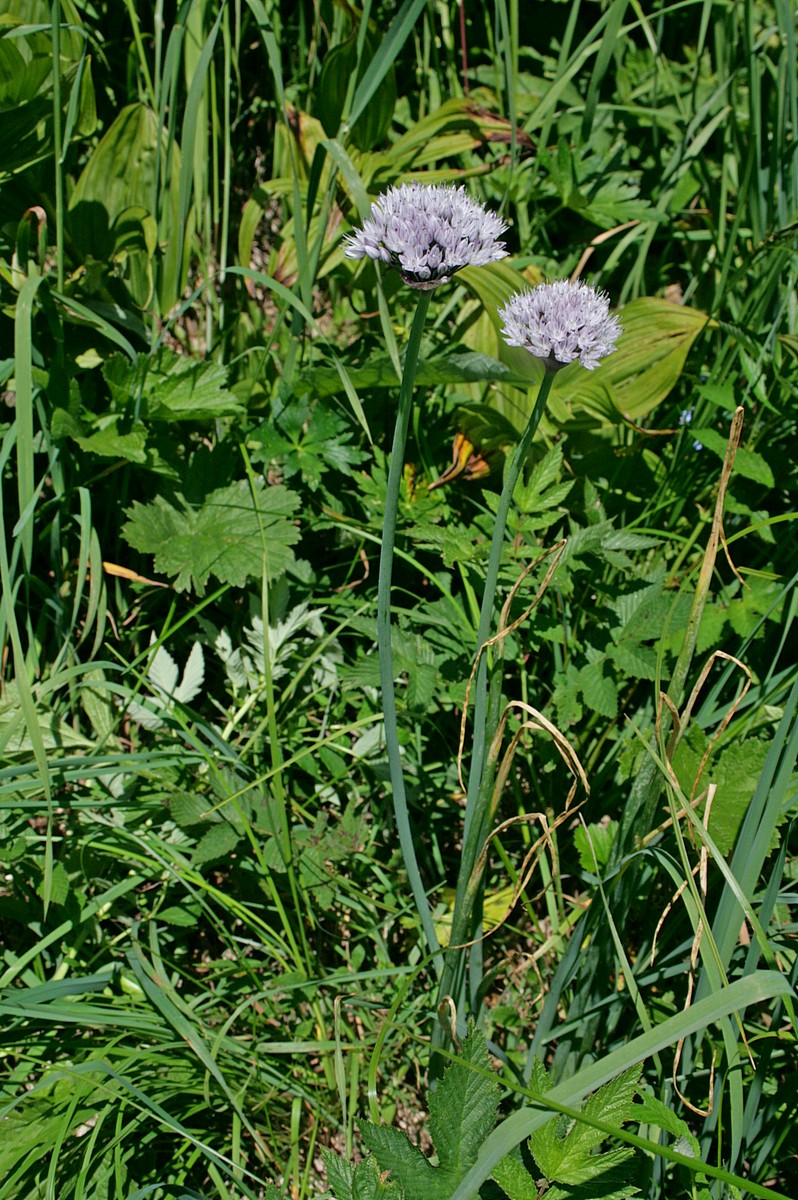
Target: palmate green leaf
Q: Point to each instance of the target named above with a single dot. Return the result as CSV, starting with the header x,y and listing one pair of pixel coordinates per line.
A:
x,y
564,1151
222,538
170,387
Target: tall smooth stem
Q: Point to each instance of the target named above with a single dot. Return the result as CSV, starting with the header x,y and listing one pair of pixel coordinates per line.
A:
x,y
395,473
477,814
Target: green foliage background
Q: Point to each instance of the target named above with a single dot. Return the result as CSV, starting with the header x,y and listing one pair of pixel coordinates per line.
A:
x,y
212,966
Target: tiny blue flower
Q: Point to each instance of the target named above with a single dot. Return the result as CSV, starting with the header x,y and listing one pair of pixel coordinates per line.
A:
x,y
427,232
559,322
685,416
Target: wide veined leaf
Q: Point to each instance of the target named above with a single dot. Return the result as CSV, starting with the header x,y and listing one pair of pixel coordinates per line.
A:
x,y
231,537
650,355
121,174
27,81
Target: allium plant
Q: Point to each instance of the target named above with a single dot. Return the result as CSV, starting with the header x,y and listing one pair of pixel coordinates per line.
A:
x,y
557,323
427,232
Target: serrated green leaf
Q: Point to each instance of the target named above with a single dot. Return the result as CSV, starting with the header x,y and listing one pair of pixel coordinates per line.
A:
x,y
650,1111
163,671
463,1107
514,1179
170,387
216,842
593,845
193,676
339,1175
599,691
415,1175
221,538
109,440
611,1186
635,660
735,771
368,1184
59,885
187,808
564,1152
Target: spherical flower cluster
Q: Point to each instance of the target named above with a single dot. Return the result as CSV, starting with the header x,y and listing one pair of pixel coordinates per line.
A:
x,y
561,321
427,232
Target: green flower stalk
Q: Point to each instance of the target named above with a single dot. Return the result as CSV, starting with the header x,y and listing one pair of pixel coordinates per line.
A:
x,y
427,233
557,323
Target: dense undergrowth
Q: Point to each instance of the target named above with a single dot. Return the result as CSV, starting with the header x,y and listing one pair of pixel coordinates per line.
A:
x,y
213,964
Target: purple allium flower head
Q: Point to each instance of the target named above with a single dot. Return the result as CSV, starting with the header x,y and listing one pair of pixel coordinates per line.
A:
x,y
427,232
561,321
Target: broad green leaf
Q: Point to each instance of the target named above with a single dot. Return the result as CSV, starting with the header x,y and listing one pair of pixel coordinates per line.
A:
x,y
183,918
646,364
735,771
222,538
746,462
564,1151
599,690
59,885
593,845
193,676
122,173
187,808
359,1182
742,993
163,671
339,1175
215,843
634,659
108,439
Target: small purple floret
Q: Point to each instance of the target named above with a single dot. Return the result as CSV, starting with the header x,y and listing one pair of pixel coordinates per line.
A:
x,y
427,232
559,322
